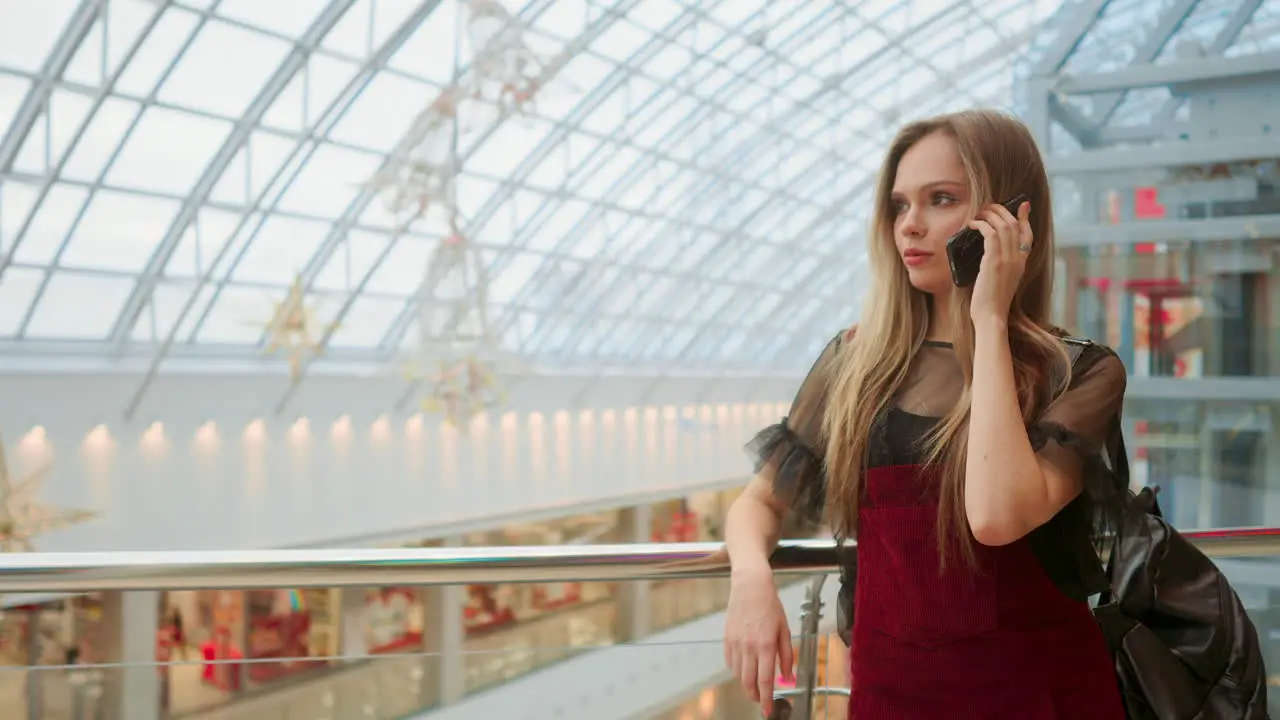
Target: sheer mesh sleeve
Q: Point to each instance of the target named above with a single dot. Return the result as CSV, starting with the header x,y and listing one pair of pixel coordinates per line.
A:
x,y
790,453
1080,432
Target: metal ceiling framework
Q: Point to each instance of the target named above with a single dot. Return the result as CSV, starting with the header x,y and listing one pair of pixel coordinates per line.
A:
x,y
1100,48
696,203
1104,100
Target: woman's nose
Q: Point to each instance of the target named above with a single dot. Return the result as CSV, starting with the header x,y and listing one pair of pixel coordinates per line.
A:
x,y
912,224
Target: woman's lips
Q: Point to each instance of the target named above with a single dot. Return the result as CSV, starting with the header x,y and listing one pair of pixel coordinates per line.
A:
x,y
914,258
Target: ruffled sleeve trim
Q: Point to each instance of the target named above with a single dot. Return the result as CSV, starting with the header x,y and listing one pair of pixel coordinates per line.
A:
x,y
796,469
1070,543
1105,475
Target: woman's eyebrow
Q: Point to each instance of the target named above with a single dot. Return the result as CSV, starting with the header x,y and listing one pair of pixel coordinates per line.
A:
x,y
933,185
943,183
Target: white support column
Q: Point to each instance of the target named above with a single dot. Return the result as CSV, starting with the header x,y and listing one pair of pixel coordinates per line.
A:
x,y
133,690
444,671
635,526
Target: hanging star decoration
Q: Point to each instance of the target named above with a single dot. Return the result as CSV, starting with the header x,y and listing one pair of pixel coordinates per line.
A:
x,y
22,516
293,328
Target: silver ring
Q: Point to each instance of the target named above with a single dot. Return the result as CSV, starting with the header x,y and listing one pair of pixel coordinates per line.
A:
x,y
1024,247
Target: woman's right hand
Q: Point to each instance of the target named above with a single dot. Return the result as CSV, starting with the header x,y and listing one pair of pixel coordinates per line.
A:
x,y
757,640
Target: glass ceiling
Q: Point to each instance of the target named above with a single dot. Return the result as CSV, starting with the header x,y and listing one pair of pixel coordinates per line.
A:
x,y
690,191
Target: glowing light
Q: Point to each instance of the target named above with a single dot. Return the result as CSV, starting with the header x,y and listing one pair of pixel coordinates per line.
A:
x,y
413,426
153,437
98,439
380,430
300,431
255,432
341,430
207,436
34,441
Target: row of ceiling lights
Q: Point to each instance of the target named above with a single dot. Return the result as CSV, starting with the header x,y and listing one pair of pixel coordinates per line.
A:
x,y
208,435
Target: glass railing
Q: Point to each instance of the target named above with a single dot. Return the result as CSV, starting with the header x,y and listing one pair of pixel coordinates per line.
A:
x,y
658,626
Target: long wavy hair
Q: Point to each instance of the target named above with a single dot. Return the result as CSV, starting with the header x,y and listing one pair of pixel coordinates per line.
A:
x,y
1001,159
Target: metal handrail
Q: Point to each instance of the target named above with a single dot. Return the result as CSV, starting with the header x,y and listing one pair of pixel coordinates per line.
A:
x,y
174,570
244,569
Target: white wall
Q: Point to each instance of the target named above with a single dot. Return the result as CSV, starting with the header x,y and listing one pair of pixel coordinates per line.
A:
x,y
187,485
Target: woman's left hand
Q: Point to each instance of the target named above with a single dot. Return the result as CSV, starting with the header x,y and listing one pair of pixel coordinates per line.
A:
x,y
1007,243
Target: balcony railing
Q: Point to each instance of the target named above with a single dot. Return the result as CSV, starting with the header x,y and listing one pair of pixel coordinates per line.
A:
x,y
145,571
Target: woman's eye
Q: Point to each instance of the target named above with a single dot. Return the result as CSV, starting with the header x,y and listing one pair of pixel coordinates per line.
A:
x,y
899,207
943,199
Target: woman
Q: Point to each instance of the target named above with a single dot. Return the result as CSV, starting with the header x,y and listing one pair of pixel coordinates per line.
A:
x,y
951,435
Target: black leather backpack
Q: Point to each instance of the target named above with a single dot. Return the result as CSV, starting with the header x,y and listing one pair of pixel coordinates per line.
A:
x,y
1184,646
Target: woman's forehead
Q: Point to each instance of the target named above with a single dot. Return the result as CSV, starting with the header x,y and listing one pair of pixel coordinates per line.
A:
x,y
933,160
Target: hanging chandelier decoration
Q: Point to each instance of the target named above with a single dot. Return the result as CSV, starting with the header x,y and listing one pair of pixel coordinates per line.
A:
x,y
505,70
452,361
23,517
454,358
423,179
461,389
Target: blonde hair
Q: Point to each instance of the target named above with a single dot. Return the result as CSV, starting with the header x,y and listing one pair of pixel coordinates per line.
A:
x,y
1001,160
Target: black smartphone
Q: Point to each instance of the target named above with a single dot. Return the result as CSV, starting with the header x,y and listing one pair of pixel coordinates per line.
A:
x,y
965,248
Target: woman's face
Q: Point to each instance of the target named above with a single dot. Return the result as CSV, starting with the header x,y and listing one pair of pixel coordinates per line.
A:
x,y
930,203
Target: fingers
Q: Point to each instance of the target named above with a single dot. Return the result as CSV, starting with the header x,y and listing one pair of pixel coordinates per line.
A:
x,y
747,675
1024,224
1002,214
753,663
765,670
990,237
786,658
1004,234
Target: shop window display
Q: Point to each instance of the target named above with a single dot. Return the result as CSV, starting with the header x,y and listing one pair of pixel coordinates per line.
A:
x,y
489,607
294,628
220,629
61,632
393,620
492,607
224,641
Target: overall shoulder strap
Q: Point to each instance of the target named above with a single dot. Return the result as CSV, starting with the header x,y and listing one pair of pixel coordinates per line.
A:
x,y
1076,347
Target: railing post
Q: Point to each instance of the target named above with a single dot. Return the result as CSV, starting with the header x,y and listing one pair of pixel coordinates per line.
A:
x,y
807,662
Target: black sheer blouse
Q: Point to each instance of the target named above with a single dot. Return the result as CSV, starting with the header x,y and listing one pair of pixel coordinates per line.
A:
x,y
1079,433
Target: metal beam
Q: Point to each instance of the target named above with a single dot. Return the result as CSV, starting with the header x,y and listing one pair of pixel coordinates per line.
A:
x,y
1072,29
1164,155
1072,120
306,145
1215,69
238,138
1162,125
1221,389
1170,21
52,173
1240,227
402,323
64,49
